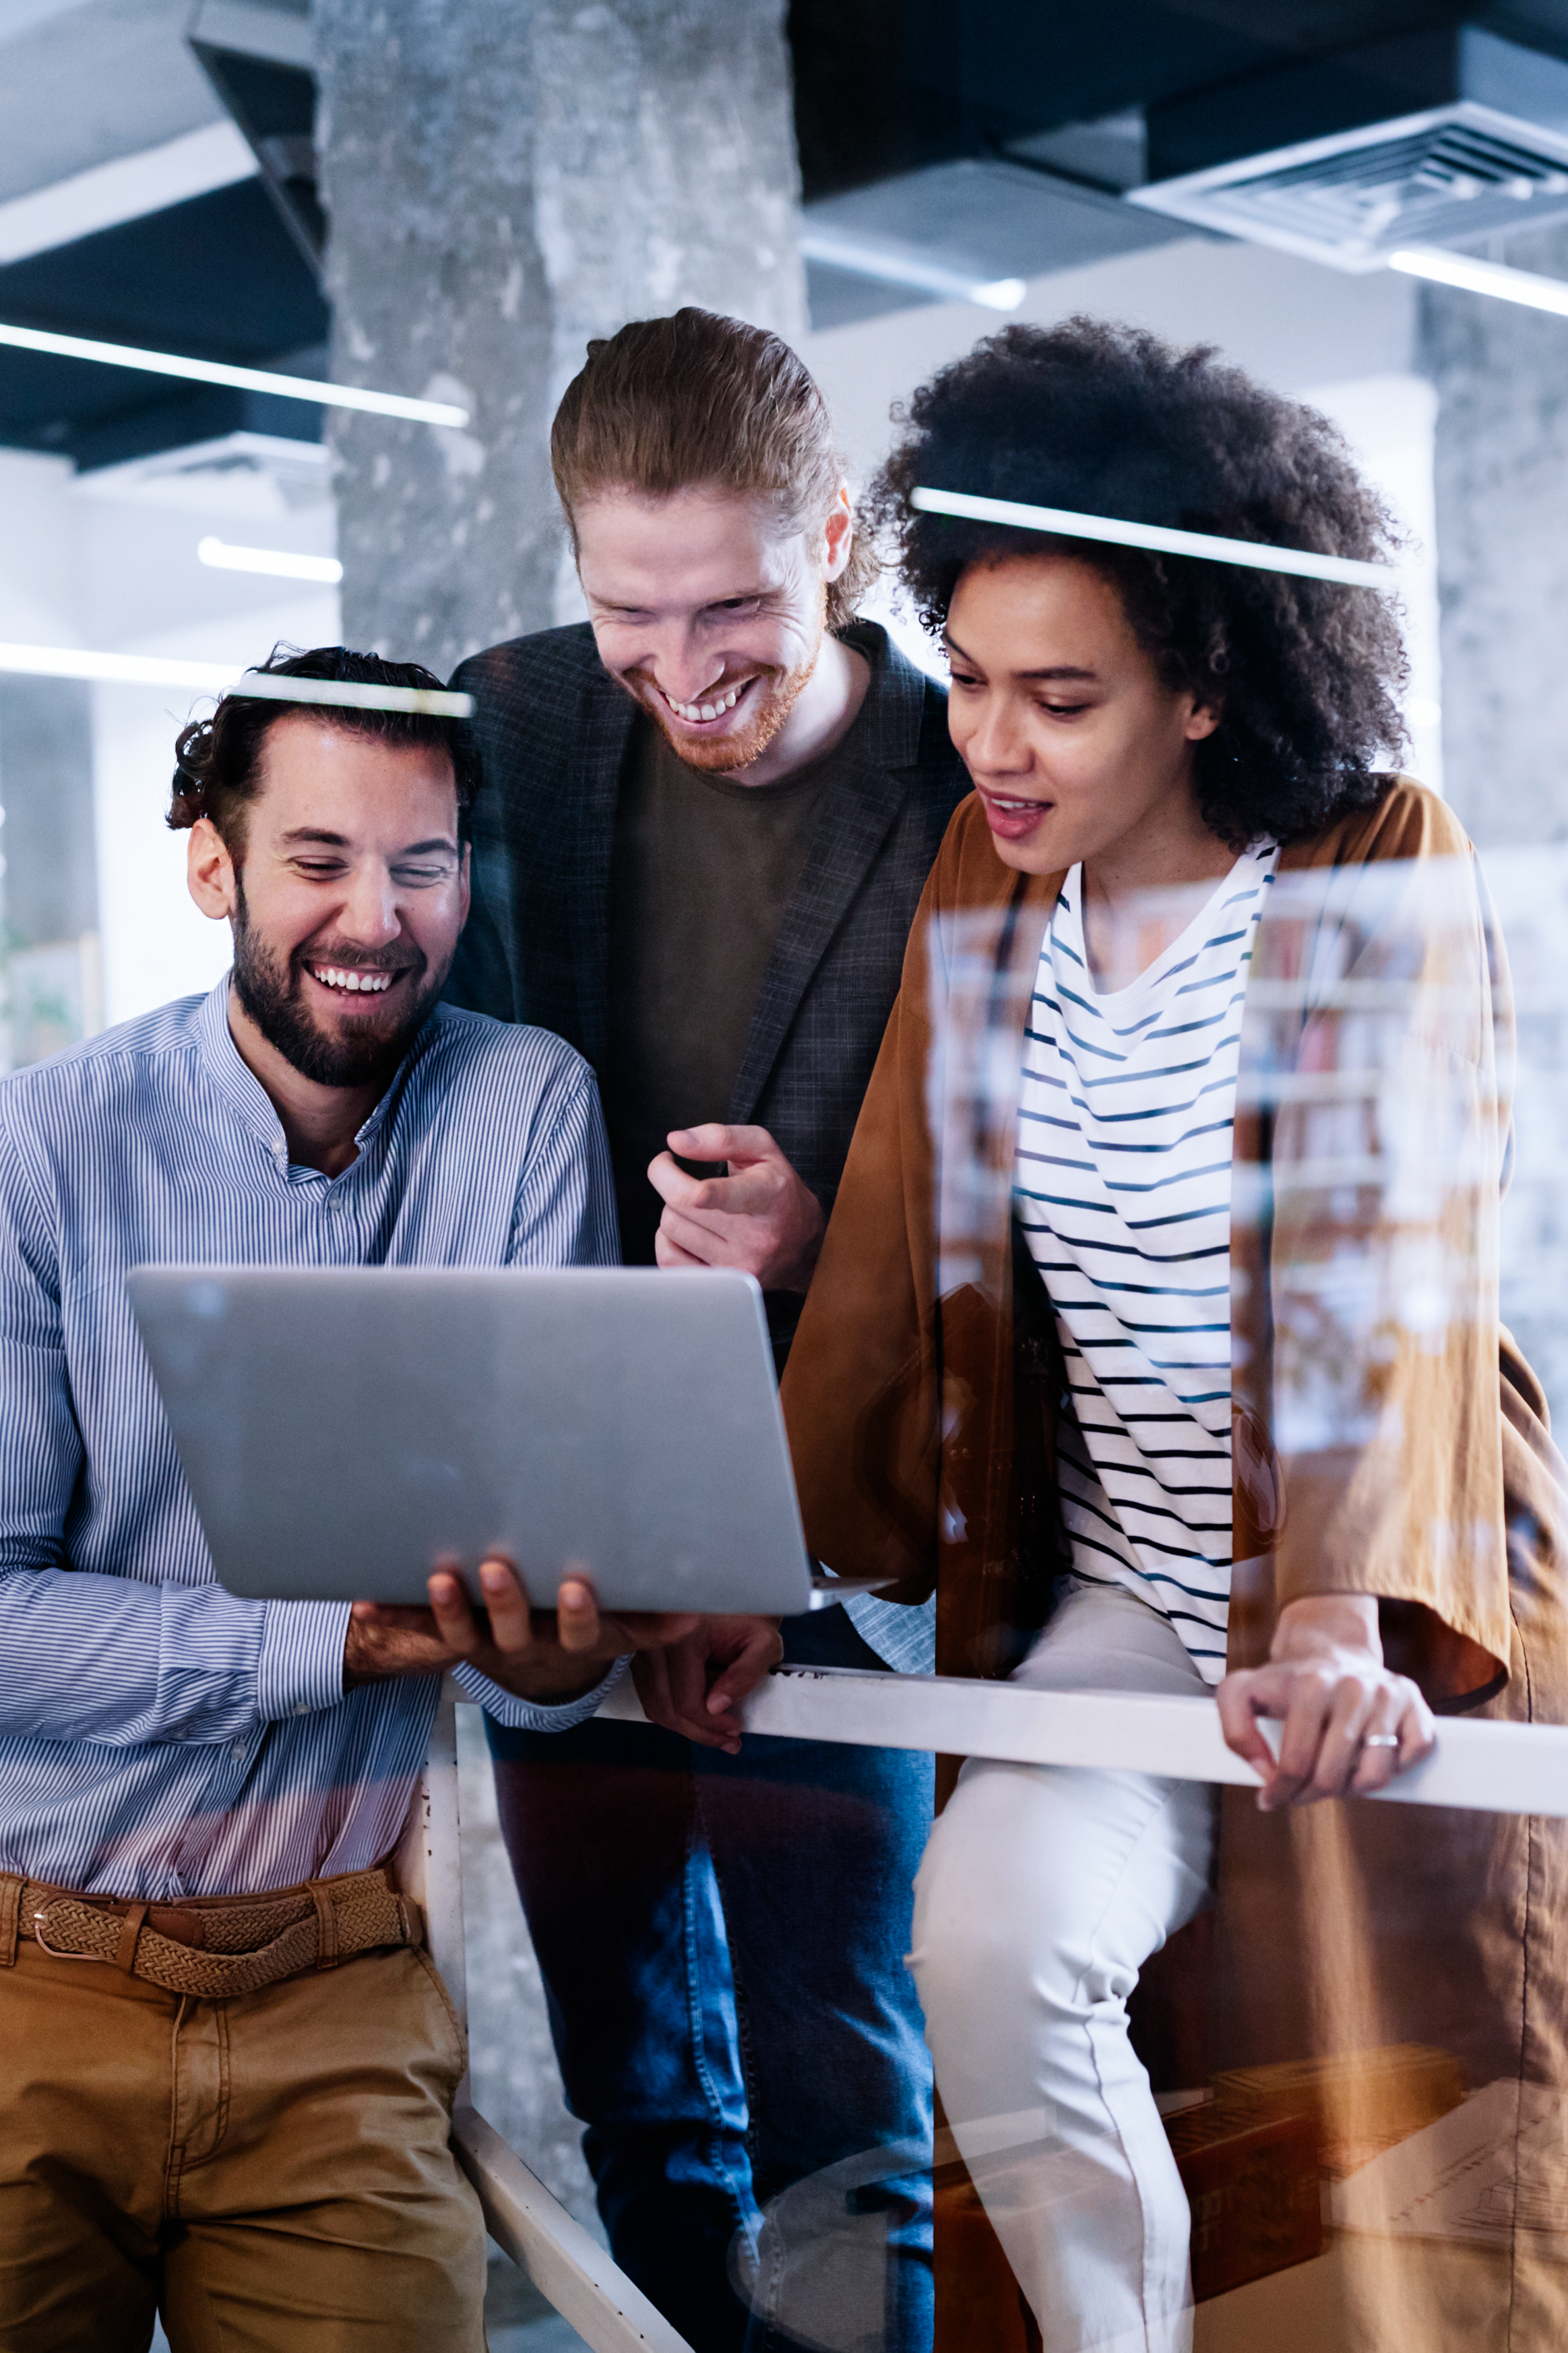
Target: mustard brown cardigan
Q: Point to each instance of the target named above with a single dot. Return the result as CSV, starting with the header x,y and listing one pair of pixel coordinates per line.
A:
x,y
1386,1439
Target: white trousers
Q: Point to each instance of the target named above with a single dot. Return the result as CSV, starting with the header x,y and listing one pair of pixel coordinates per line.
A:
x,y
1043,1892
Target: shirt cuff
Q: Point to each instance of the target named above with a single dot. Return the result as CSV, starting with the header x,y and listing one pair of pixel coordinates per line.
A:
x,y
300,1669
903,1634
537,1714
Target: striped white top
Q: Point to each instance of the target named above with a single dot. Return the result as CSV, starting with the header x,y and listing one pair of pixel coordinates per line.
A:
x,y
1123,1187
158,1736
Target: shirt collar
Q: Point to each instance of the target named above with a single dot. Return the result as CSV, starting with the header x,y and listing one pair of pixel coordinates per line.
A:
x,y
248,1101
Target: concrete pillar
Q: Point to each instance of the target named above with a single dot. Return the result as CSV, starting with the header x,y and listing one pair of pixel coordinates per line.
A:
x,y
502,184
427,132
1501,482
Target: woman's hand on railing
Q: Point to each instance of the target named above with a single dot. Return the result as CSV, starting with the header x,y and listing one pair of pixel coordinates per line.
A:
x,y
693,1685
1350,1724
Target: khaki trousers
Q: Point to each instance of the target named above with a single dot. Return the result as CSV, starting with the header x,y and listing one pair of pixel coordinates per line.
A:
x,y
272,2172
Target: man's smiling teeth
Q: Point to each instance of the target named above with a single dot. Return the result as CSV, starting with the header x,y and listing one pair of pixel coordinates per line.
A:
x,y
692,711
371,984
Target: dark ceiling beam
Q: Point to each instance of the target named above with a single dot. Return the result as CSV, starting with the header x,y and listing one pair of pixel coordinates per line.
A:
x,y
218,277
887,86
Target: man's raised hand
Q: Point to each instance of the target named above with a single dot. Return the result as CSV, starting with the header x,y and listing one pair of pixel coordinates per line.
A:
x,y
761,1217
693,1685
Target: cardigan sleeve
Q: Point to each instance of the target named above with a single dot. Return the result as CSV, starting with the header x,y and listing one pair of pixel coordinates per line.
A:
x,y
858,1390
1373,1063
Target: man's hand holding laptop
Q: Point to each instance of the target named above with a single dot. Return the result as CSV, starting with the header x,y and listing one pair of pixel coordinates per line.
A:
x,y
540,1654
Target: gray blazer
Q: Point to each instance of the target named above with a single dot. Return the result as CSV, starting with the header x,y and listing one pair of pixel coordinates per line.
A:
x,y
555,732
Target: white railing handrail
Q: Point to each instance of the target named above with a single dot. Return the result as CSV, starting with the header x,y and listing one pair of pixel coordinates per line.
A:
x,y
1516,1768
566,2263
527,2221
1489,1767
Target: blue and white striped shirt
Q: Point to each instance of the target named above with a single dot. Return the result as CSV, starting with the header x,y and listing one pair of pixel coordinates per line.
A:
x,y
159,1738
1123,1187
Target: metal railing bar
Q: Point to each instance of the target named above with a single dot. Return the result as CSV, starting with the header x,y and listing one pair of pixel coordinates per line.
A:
x,y
564,2262
1486,1767
429,1864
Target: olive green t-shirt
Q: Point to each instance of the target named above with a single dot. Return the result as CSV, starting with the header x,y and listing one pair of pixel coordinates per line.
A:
x,y
701,872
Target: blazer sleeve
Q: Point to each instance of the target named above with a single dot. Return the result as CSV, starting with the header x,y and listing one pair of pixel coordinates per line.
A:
x,y
858,1391
482,978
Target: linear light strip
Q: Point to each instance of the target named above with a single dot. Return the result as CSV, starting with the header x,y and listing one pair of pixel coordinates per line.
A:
x,y
1155,536
867,259
227,678
1475,277
241,379
261,687
274,563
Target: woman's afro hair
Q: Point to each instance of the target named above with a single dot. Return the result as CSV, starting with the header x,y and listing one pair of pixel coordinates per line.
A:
x,y
1109,420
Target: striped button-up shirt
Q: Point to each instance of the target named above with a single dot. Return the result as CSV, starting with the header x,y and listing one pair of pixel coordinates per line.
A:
x,y
159,1738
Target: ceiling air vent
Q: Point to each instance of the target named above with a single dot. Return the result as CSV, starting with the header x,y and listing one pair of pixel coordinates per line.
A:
x,y
1441,175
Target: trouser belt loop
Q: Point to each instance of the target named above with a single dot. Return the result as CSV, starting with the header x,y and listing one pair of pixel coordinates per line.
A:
x,y
326,1927
130,1934
11,1887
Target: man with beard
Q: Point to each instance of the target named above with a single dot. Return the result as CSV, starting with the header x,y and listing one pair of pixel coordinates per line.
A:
x,y
242,2120
707,818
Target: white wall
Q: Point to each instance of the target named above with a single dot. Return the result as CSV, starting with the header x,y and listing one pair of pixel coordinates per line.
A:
x,y
156,944
40,580
108,562
1291,322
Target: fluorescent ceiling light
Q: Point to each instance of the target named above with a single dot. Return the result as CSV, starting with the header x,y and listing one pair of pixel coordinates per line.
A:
x,y
224,678
192,165
1155,536
899,265
1482,276
277,561
244,379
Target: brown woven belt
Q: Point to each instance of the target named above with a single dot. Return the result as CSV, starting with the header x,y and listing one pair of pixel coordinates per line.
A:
x,y
214,1945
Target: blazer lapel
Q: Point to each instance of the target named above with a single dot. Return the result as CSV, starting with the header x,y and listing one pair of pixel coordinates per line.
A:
x,y
851,827
609,717
880,757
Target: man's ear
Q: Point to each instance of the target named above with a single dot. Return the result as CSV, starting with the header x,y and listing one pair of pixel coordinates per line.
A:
x,y
839,533
209,871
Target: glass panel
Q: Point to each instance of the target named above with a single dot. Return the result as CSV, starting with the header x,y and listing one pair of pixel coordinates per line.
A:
x,y
1153,1174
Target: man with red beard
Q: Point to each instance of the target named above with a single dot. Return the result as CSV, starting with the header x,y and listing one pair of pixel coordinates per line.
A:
x,y
707,818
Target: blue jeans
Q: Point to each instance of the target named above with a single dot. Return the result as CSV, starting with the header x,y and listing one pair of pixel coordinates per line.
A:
x,y
722,1943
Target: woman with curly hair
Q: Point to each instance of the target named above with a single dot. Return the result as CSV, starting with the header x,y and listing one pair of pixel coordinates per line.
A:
x,y
1156,1330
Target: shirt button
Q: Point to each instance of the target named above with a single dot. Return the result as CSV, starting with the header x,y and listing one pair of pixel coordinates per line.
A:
x,y
239,1750
303,1708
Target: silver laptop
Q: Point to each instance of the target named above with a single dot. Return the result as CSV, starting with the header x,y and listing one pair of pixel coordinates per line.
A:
x,y
345,1431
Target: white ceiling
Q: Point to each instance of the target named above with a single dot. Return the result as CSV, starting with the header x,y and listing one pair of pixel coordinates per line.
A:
x,y
86,82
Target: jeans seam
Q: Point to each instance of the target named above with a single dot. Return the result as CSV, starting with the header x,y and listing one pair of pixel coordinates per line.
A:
x,y
695,2015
